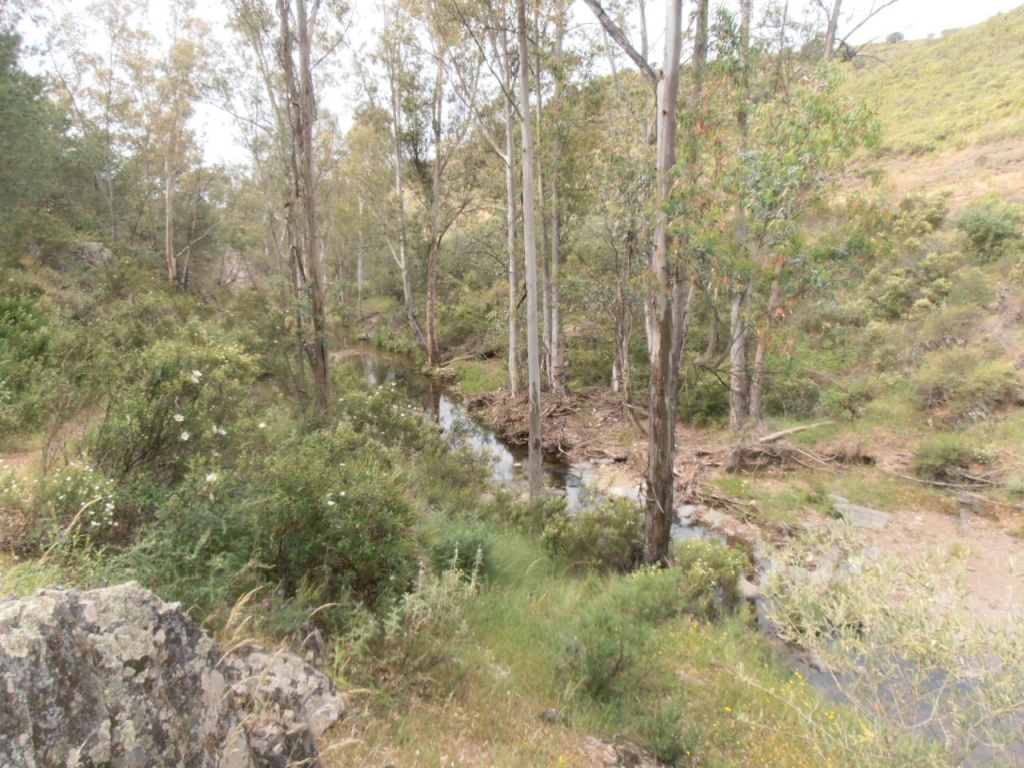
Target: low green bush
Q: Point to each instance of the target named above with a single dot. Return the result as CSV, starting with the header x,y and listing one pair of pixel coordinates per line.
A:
x,y
606,649
331,511
602,538
709,576
176,399
466,547
965,384
416,634
945,457
199,547
25,375
991,228
610,649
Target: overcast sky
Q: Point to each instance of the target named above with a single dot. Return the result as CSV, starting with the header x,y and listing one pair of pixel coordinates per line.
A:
x,y
921,18
913,18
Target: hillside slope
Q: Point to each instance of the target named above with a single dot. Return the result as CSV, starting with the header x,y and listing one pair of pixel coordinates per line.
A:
x,y
952,110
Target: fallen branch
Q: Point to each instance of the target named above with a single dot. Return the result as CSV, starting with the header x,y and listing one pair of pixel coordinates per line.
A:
x,y
954,487
791,431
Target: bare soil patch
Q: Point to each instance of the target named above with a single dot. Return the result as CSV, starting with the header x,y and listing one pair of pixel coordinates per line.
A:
x,y
966,174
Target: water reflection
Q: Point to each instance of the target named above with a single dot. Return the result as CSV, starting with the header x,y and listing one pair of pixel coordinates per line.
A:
x,y
508,462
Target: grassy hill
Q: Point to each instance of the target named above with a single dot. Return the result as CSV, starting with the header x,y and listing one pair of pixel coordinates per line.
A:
x,y
963,89
952,110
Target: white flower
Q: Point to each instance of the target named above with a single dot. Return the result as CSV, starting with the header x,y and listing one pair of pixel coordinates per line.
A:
x,y
184,437
179,418
342,493
330,502
196,376
262,425
212,477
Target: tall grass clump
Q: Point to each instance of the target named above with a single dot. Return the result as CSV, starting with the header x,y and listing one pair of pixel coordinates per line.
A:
x,y
928,684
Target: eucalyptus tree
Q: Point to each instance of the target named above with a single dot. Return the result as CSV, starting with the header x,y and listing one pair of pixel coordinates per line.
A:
x,y
798,149
530,247
433,151
132,94
488,25
669,297
399,58
278,42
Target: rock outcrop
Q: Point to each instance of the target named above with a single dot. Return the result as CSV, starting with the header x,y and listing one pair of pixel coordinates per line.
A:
x,y
117,677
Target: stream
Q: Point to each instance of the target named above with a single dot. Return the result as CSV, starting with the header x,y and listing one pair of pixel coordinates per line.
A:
x,y
508,462
576,482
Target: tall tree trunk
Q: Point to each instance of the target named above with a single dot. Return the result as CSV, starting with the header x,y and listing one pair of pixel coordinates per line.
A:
x,y
530,243
308,266
620,366
544,263
391,63
739,404
321,373
359,265
556,341
761,354
739,375
660,492
830,31
512,222
435,218
170,259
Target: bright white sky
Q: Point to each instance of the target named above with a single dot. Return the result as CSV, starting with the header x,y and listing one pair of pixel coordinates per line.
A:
x,y
920,18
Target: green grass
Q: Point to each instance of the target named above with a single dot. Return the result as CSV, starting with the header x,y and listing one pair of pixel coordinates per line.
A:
x,y
480,376
961,89
715,689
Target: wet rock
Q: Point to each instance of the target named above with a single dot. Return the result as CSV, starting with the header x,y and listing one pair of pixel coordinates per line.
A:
x,y
747,589
118,677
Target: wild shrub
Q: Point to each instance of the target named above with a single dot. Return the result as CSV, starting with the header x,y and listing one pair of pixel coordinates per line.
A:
x,y
416,634
603,538
76,506
175,399
945,458
610,648
607,648
991,229
466,547
709,576
199,547
384,414
966,384
332,512
667,733
25,373
891,293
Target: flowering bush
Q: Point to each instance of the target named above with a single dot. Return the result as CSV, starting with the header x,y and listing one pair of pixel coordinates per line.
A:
x,y
331,512
174,400
76,504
